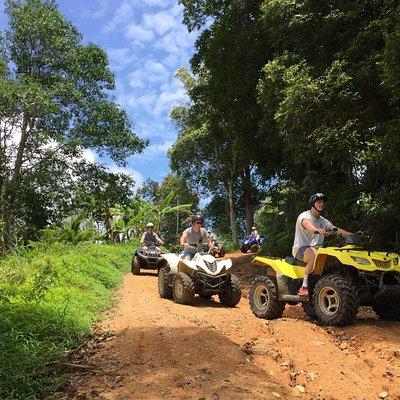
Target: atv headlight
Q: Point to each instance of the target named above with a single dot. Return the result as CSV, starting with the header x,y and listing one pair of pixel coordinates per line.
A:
x,y
360,260
395,262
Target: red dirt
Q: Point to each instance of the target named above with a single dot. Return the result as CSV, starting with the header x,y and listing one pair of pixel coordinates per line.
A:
x,y
163,350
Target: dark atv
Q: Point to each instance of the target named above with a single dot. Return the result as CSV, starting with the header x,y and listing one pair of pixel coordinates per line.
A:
x,y
149,258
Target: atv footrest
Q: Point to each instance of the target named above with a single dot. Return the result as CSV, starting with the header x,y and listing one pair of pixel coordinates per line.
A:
x,y
293,297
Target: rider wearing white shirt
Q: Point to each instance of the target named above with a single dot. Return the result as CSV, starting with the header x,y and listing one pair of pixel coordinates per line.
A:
x,y
311,229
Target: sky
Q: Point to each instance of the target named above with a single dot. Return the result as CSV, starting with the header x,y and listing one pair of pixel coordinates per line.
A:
x,y
146,43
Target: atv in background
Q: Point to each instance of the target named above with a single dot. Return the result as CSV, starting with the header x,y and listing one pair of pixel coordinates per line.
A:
x,y
149,257
343,278
182,279
251,243
218,250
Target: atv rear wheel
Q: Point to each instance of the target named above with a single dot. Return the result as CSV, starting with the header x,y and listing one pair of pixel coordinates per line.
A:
x,y
183,288
263,298
164,287
233,293
135,266
222,253
335,300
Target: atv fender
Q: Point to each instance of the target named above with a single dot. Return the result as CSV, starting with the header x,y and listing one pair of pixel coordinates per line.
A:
x,y
281,267
172,261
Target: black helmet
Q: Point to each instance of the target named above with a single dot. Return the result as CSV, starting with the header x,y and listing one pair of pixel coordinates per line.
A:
x,y
315,197
197,217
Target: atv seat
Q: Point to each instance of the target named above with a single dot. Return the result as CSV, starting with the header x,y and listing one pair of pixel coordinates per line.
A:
x,y
295,261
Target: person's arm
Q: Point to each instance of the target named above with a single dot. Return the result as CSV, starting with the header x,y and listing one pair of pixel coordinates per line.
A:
x,y
342,232
310,227
159,241
182,240
142,239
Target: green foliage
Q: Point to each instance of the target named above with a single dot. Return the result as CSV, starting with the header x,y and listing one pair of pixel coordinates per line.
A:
x,y
57,92
76,229
50,296
304,93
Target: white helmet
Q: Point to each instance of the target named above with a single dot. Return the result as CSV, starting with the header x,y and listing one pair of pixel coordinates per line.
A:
x,y
150,225
253,228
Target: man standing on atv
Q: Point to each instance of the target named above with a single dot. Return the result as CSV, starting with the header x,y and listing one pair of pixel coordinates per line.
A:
x,y
150,237
311,229
193,238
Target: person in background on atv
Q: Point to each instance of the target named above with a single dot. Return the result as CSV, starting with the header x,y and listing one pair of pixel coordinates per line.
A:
x,y
150,237
192,238
311,229
211,237
255,234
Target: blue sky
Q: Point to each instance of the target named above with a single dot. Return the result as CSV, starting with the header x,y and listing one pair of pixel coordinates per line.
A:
x,y
146,43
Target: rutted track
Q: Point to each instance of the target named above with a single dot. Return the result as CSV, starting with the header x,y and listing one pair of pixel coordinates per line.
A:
x,y
163,350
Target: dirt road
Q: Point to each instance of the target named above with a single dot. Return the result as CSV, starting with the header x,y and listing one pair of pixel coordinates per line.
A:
x,y
152,348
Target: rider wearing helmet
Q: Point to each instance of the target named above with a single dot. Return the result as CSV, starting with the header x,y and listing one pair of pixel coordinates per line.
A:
x,y
192,238
150,237
254,233
311,229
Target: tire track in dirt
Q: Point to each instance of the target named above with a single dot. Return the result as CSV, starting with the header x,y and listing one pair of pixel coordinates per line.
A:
x,y
164,350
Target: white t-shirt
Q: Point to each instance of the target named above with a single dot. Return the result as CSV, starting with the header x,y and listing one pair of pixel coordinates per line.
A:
x,y
304,238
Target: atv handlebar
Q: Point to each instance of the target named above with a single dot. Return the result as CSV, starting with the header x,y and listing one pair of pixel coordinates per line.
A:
x,y
328,231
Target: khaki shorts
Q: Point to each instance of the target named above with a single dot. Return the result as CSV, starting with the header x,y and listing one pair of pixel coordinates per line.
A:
x,y
301,251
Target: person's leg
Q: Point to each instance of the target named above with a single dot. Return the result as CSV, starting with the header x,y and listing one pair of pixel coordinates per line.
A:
x,y
308,258
188,254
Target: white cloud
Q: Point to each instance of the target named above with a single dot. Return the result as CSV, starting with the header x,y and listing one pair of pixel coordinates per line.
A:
x,y
155,3
101,9
160,22
133,173
154,152
122,15
139,34
151,73
120,58
89,155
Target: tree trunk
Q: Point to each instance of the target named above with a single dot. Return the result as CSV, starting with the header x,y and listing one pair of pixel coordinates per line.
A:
x,y
11,189
248,198
232,213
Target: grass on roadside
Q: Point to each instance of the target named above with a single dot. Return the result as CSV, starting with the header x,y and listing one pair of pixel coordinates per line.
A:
x,y
50,297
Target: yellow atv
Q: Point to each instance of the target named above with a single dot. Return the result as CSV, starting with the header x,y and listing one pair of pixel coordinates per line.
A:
x,y
342,279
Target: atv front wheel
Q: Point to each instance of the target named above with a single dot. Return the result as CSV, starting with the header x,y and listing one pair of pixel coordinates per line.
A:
x,y
135,266
244,249
263,298
183,288
335,300
232,294
254,248
309,310
164,287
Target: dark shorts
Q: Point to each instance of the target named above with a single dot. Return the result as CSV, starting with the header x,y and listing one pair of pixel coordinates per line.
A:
x,y
300,253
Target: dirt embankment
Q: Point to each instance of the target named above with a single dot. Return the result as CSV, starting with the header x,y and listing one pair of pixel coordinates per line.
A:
x,y
151,348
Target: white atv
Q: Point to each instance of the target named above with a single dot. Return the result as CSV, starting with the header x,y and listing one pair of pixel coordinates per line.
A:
x,y
181,279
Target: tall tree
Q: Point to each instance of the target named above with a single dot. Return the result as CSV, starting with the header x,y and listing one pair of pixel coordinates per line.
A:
x,y
54,99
